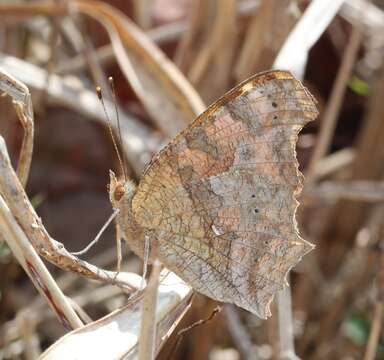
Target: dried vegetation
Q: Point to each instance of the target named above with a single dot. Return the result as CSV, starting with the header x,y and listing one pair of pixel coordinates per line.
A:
x,y
169,59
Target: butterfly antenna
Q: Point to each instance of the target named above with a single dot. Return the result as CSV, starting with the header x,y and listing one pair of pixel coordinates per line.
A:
x,y
100,96
112,86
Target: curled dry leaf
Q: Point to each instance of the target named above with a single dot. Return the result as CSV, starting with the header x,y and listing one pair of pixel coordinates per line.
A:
x,y
167,96
116,335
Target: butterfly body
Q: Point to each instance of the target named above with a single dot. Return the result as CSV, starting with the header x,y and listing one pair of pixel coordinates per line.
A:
x,y
217,204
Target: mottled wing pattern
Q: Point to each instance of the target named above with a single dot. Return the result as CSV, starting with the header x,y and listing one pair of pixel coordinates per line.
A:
x,y
218,203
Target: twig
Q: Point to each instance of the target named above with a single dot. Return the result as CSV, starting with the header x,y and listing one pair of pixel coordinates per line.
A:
x,y
23,105
147,344
86,319
374,335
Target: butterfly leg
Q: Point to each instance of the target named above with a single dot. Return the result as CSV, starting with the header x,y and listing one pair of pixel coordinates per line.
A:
x,y
145,260
118,248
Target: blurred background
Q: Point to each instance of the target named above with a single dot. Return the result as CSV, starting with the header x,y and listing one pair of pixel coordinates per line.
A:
x,y
62,49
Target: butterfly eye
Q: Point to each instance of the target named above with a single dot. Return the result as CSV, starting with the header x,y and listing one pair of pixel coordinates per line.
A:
x,y
256,211
274,104
119,192
253,195
274,117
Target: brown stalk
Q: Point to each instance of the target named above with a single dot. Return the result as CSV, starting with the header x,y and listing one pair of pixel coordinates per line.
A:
x,y
255,41
374,335
210,69
332,110
38,8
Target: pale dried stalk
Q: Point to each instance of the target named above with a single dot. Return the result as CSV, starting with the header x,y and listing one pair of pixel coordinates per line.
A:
x,y
374,335
329,118
373,19
147,344
369,191
35,268
142,12
293,57
21,99
334,162
105,54
155,79
286,335
316,18
239,334
160,35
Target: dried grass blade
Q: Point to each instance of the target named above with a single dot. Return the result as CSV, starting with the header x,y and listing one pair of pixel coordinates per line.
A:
x,y
316,18
255,39
139,141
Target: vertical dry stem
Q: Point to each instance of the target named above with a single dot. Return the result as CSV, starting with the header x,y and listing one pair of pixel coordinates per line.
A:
x,y
147,344
373,340
328,123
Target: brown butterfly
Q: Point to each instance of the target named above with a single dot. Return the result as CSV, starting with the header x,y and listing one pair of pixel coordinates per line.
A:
x,y
217,204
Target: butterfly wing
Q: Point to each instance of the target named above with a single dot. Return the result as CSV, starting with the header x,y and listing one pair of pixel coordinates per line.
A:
x,y
218,203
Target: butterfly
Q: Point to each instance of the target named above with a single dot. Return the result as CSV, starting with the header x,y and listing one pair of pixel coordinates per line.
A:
x,y
217,204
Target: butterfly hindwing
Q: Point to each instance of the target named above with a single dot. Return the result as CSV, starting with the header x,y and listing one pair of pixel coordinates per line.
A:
x,y
218,203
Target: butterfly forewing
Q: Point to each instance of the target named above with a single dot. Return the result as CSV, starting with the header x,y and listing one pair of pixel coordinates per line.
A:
x,y
218,203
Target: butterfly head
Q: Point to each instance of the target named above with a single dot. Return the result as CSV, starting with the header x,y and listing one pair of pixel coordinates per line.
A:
x,y
120,191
